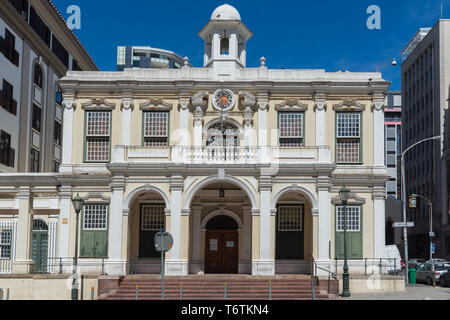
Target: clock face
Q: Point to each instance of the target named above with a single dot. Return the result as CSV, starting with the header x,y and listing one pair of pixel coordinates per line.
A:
x,y
223,100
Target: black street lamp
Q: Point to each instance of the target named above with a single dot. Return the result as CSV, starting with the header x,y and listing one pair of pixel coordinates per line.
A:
x,y
77,205
344,194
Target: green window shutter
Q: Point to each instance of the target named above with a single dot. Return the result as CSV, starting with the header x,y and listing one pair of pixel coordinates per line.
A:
x,y
101,244
87,244
354,241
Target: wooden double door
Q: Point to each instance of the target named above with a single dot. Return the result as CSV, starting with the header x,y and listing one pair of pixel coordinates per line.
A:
x,y
222,252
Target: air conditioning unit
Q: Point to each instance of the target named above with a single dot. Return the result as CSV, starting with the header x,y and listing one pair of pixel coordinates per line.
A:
x,y
24,15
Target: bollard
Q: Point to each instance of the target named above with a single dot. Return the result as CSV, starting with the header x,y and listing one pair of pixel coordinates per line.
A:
x,y
181,291
137,292
1,294
7,294
92,293
270,289
225,291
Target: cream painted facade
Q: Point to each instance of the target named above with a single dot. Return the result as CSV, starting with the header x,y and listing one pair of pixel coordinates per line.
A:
x,y
196,182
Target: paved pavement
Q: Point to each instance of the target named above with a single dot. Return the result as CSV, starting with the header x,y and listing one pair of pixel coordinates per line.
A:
x,y
413,292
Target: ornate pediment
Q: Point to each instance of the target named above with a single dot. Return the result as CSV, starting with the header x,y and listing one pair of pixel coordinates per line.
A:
x,y
156,103
291,105
98,104
349,105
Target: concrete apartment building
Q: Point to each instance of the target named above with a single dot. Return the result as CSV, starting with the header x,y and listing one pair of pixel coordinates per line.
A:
x,y
425,94
37,48
147,57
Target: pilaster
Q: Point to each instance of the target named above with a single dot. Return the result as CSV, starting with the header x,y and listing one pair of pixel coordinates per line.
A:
x,y
67,143
23,263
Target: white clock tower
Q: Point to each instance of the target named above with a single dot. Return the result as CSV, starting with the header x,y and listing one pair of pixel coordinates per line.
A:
x,y
225,39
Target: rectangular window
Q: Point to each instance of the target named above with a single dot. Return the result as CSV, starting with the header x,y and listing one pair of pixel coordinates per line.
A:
x,y
291,129
153,217
21,7
55,166
5,244
39,26
98,131
8,47
156,129
95,217
60,51
94,231
35,161
57,133
7,154
353,218
36,121
348,137
290,218
6,98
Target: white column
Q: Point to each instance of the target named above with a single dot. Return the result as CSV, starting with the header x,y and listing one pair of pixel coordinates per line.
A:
x,y
67,143
174,265
247,237
262,129
52,234
324,223
116,265
379,220
184,122
378,133
198,126
266,265
320,121
63,233
23,261
126,121
196,240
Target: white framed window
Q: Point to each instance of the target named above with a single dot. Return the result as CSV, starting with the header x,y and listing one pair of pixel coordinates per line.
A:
x,y
156,129
5,244
95,217
353,218
153,217
98,133
348,137
291,129
290,218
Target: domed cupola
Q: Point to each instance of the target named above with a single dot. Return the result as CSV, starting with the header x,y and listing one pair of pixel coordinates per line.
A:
x,y
225,39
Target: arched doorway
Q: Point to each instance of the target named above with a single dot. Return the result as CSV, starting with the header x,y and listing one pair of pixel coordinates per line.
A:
x,y
40,246
213,197
222,246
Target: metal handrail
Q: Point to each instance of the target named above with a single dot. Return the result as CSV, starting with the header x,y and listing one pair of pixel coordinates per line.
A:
x,y
314,275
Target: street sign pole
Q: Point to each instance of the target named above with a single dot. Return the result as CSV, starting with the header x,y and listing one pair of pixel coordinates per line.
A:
x,y
162,266
163,244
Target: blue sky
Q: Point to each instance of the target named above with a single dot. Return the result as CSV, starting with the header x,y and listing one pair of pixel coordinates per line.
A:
x,y
294,34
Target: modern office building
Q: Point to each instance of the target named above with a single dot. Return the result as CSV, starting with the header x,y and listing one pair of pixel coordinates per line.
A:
x,y
147,57
425,94
243,166
393,147
37,48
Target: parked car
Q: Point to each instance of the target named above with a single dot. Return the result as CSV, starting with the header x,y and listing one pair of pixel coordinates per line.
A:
x,y
429,272
437,260
444,280
415,263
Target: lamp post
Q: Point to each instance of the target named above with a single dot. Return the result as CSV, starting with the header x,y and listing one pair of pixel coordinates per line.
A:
x,y
405,229
344,193
393,62
431,221
77,205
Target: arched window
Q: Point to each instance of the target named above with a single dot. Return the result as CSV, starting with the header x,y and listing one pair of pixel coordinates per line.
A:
x,y
38,75
224,45
223,135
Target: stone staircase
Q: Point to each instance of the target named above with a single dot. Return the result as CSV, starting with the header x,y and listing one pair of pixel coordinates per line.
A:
x,y
213,288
